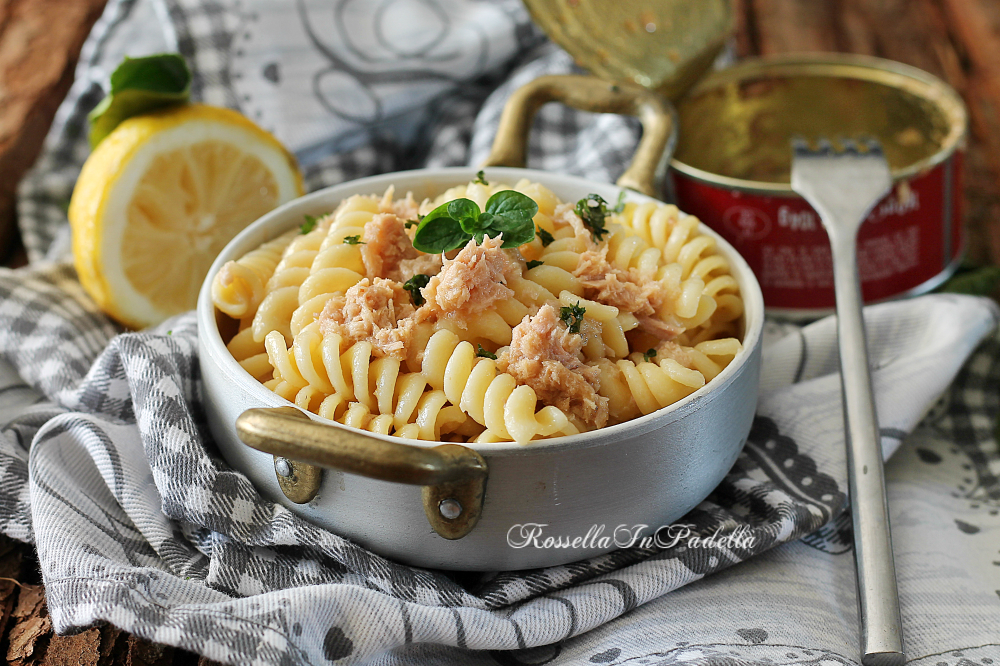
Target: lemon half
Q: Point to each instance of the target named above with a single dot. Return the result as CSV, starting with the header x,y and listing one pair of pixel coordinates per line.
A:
x,y
161,196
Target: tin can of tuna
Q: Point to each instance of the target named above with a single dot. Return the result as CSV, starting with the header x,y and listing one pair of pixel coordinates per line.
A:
x,y
733,161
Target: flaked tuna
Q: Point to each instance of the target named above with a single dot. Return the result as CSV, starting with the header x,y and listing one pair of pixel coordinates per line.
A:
x,y
386,245
628,290
473,281
422,264
544,355
376,311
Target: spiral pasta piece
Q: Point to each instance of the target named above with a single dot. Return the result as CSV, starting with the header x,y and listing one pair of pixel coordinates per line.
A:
x,y
282,298
489,397
336,266
239,287
655,386
250,354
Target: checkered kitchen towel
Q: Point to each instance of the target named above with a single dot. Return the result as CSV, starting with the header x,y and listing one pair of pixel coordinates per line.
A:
x,y
107,466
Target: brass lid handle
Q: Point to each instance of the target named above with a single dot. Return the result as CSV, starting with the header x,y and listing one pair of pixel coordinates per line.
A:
x,y
453,476
588,93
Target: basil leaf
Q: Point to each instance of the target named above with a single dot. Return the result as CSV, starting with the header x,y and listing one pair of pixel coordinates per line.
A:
x,y
480,178
442,234
462,208
512,206
137,86
518,236
439,231
470,225
485,353
440,211
512,214
535,263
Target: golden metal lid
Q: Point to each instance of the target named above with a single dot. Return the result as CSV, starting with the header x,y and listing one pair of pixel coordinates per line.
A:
x,y
665,45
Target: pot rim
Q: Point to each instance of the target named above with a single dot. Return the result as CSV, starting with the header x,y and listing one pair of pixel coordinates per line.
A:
x,y
288,215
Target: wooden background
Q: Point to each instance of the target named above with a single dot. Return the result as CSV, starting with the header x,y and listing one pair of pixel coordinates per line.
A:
x,y
958,40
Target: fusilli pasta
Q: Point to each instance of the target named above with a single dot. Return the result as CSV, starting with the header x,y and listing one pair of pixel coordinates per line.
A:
x,y
587,325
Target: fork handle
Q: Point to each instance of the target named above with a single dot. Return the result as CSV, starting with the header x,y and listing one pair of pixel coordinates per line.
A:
x,y
881,628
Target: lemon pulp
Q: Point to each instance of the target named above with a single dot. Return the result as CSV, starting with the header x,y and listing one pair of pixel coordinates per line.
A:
x,y
161,196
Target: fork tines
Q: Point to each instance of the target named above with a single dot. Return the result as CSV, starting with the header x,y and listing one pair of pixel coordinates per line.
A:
x,y
864,145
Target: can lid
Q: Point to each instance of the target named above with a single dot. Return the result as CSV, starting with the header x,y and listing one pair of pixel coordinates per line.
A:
x,y
665,46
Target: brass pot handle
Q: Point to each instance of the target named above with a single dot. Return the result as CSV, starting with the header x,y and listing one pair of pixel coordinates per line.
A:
x,y
453,476
589,93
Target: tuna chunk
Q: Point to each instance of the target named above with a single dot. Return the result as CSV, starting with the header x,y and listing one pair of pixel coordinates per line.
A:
x,y
473,281
423,264
565,214
386,245
544,355
664,329
628,290
404,209
376,311
669,349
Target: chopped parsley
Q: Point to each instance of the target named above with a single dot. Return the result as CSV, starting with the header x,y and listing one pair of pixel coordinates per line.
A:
x,y
485,353
414,285
535,262
354,240
545,237
572,316
309,224
480,178
648,355
593,210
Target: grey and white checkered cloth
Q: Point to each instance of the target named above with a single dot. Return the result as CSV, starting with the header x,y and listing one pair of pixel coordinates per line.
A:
x,y
106,463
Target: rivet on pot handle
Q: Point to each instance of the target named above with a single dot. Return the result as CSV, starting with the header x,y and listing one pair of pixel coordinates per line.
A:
x,y
453,476
589,93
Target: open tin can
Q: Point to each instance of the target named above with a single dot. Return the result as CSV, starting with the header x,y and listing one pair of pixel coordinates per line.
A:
x,y
733,163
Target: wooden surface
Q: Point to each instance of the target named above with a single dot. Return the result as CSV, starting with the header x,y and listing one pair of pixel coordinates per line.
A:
x,y
40,42
958,40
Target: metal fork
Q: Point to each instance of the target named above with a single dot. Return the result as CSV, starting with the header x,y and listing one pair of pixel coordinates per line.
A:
x,y
843,187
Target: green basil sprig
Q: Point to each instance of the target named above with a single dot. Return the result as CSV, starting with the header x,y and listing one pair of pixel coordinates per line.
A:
x,y
453,224
139,85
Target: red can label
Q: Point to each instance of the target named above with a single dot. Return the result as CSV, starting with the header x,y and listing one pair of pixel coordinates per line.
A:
x,y
910,238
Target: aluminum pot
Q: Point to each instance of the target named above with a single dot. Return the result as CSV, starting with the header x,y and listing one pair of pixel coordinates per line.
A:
x,y
487,506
